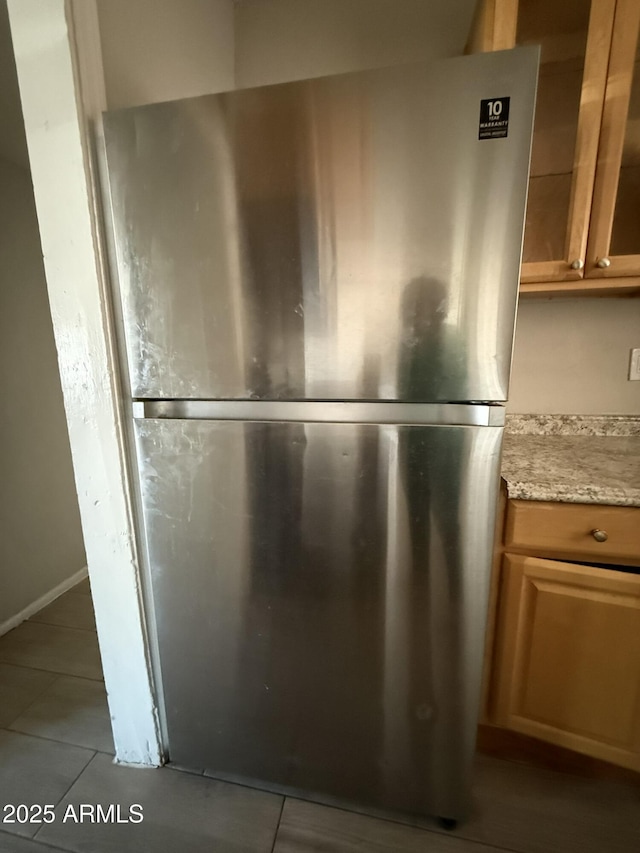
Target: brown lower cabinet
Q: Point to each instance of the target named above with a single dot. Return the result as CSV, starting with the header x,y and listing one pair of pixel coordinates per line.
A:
x,y
566,663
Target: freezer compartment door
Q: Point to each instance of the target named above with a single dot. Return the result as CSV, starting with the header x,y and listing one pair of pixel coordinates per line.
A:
x,y
320,594
349,237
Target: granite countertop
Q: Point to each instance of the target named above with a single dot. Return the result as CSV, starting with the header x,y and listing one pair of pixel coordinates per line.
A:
x,y
573,459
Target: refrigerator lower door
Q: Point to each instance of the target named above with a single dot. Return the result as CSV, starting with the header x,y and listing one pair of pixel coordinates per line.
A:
x,y
320,592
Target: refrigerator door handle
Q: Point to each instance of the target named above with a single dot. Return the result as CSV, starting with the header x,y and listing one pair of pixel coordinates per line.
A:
x,y
438,414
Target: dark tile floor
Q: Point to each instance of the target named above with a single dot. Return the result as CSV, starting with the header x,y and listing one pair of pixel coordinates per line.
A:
x,y
55,749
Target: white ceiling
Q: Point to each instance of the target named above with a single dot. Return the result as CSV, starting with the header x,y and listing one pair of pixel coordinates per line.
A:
x,y
13,146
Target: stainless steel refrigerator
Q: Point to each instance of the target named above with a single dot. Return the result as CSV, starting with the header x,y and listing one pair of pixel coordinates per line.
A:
x,y
317,285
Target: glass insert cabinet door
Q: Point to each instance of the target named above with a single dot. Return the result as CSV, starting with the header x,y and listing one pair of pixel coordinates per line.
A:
x,y
614,237
575,37
583,213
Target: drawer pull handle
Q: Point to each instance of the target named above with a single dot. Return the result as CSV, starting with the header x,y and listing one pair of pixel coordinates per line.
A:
x,y
600,535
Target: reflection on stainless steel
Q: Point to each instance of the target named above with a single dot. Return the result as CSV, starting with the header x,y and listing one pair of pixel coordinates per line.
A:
x,y
346,237
327,412
322,595
315,277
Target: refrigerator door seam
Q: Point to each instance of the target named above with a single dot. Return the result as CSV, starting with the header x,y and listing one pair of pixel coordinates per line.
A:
x,y
444,414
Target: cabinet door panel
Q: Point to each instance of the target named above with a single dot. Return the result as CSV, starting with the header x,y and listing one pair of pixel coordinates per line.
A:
x,y
568,657
558,100
575,47
615,219
625,237
547,211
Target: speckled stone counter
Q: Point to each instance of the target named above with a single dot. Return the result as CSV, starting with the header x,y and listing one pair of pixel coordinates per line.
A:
x,y
573,459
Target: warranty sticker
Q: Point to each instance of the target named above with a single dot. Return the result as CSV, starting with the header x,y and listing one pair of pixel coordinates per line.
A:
x,y
494,118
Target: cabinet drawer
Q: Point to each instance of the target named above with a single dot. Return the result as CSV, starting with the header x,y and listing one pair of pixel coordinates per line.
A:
x,y
569,530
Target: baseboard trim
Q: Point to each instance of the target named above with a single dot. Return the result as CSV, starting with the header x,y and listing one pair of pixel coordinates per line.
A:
x,y
43,601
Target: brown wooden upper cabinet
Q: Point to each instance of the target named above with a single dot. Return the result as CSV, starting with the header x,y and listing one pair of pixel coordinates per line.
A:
x,y
582,231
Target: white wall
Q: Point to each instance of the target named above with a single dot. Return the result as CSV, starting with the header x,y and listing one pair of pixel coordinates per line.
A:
x,y
40,538
158,51
57,49
572,356
280,40
12,144
41,544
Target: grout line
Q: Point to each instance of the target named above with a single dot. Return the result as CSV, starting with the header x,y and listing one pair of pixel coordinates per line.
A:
x,y
61,742
37,617
52,740
372,814
57,803
485,845
35,621
50,625
43,844
389,818
52,671
275,835
40,603
175,768
39,696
